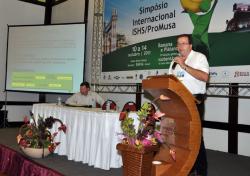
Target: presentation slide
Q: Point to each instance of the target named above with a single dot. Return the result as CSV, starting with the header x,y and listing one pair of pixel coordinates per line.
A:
x,y
45,58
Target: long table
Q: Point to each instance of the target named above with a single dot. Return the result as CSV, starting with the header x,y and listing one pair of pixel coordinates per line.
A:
x,y
91,137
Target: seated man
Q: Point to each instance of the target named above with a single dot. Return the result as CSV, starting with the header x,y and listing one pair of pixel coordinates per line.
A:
x,y
85,97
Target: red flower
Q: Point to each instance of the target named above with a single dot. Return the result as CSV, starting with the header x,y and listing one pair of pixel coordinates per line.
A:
x,y
26,120
157,135
29,133
35,134
114,107
23,143
146,142
63,128
122,116
54,135
51,148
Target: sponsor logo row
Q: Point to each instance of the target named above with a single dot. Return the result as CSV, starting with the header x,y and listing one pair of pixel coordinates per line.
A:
x,y
227,74
224,76
130,76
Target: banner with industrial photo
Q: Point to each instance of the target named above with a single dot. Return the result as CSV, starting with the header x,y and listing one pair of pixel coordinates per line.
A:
x,y
139,37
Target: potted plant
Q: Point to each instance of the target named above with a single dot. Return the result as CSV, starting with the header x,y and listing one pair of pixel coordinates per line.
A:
x,y
35,139
139,143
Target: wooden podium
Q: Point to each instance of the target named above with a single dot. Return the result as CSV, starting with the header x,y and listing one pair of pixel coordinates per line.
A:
x,y
181,126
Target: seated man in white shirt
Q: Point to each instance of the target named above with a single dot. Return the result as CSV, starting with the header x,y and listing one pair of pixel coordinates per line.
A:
x,y
85,97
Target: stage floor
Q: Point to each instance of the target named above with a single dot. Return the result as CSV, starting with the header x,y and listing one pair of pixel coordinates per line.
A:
x,y
219,163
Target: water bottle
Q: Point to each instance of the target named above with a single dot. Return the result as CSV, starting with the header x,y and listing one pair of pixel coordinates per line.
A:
x,y
59,101
93,103
107,105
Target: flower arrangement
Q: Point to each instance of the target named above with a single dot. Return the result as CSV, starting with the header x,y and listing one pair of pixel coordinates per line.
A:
x,y
36,134
146,133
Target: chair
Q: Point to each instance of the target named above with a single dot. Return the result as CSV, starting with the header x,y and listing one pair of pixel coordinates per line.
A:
x,y
112,105
129,106
97,105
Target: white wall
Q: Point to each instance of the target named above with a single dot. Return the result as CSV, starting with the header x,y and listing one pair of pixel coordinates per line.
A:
x,y
13,12
244,114
70,11
244,118
244,144
215,139
216,109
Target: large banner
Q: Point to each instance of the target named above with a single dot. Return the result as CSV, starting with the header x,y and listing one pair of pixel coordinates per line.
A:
x,y
139,37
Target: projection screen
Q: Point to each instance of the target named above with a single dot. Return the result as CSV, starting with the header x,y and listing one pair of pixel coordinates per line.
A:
x,y
45,58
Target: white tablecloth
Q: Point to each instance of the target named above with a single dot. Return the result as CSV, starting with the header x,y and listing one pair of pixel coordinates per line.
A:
x,y
91,135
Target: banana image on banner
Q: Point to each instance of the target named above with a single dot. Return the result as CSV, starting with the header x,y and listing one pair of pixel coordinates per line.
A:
x,y
200,12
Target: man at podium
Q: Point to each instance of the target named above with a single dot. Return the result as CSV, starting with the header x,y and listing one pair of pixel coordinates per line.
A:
x,y
192,69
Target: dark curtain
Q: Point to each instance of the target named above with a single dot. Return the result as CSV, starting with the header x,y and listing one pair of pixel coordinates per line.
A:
x,y
13,163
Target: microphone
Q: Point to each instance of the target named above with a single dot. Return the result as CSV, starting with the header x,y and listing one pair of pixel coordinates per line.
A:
x,y
174,65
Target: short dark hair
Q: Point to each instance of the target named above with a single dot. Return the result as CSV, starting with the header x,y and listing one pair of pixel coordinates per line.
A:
x,y
186,35
86,84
